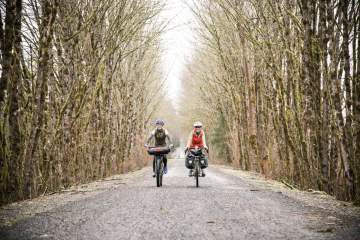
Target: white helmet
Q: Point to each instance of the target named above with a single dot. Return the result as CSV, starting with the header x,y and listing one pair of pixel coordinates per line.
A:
x,y
198,124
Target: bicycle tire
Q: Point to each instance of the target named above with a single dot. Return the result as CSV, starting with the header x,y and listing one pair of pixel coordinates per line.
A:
x,y
159,170
197,174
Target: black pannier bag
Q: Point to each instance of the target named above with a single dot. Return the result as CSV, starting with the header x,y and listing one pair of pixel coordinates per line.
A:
x,y
189,161
204,161
158,150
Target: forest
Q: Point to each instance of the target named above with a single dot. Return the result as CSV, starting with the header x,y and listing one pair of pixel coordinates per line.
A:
x,y
282,79
275,82
79,80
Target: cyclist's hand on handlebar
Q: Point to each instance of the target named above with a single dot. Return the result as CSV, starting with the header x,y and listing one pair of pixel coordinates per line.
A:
x,y
206,149
171,146
186,149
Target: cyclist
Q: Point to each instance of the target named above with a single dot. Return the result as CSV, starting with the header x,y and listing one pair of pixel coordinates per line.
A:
x,y
160,134
196,139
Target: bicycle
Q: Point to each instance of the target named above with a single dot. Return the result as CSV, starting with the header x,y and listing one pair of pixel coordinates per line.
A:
x,y
197,162
159,153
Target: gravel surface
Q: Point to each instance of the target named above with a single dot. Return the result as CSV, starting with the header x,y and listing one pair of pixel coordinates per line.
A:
x,y
229,204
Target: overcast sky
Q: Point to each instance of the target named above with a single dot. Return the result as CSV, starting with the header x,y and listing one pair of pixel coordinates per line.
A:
x,y
177,44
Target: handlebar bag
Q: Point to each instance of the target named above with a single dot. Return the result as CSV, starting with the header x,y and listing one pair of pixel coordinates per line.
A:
x,y
158,150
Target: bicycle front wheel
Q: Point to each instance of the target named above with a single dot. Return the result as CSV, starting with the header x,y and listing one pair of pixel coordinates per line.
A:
x,y
159,170
197,172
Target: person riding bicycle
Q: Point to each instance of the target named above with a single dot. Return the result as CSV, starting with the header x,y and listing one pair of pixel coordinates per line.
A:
x,y
196,139
160,134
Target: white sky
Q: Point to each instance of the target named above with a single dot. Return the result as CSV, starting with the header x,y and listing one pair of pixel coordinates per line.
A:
x,y
177,44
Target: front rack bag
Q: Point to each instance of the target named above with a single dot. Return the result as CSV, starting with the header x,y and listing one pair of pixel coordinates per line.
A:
x,y
158,150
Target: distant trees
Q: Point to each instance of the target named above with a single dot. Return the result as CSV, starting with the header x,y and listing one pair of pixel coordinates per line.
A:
x,y
282,77
77,79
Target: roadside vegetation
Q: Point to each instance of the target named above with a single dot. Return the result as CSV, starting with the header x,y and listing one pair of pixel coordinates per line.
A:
x,y
79,81
277,84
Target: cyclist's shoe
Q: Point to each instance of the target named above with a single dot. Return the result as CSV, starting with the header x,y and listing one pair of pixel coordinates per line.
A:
x,y
165,170
191,173
154,175
203,172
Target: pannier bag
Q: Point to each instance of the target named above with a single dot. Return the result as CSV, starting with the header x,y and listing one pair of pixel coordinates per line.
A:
x,y
158,150
189,161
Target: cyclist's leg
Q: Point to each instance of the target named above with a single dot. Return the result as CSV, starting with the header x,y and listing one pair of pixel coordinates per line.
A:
x,y
165,164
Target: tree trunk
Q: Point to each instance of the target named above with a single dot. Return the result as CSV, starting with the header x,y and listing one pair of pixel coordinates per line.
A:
x,y
356,106
11,80
45,43
324,142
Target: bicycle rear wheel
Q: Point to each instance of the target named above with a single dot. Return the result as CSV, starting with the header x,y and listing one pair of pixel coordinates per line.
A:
x,y
158,180
161,178
197,180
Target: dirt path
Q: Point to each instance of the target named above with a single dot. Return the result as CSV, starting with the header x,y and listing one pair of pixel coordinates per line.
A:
x,y
228,205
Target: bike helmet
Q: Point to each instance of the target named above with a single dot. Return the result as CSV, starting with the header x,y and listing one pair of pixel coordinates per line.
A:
x,y
198,125
159,122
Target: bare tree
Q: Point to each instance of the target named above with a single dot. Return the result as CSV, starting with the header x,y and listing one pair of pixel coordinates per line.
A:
x,y
281,85
86,72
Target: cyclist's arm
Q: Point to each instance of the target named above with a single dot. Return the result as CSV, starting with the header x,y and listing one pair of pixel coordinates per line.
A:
x,y
152,134
204,140
168,137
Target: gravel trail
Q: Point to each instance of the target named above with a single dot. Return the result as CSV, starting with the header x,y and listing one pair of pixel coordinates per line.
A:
x,y
228,205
